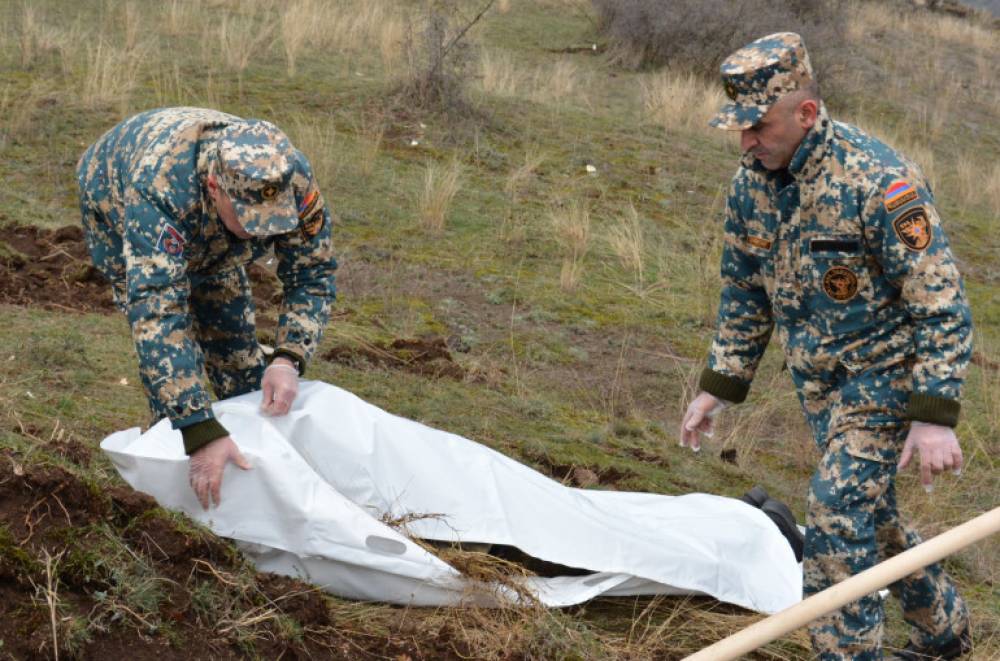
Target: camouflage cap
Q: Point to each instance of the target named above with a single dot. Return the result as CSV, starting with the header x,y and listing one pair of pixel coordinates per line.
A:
x,y
759,74
256,163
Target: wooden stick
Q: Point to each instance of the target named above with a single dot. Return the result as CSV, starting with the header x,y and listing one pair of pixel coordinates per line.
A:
x,y
836,596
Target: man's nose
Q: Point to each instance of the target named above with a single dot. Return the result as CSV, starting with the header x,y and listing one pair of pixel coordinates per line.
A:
x,y
748,140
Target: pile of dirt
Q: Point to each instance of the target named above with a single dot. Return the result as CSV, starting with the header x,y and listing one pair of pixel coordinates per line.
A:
x,y
423,356
107,574
52,269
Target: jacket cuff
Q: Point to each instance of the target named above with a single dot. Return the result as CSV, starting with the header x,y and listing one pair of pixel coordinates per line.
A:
x,y
201,434
936,410
722,386
299,361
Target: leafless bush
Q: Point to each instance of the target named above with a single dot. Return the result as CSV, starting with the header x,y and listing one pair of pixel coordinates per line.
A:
x,y
441,58
697,35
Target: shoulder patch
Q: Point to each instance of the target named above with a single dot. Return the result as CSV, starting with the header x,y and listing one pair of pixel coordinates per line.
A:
x,y
840,283
898,193
758,242
914,229
170,241
311,213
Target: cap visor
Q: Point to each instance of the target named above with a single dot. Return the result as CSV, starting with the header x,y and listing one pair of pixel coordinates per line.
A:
x,y
736,117
277,216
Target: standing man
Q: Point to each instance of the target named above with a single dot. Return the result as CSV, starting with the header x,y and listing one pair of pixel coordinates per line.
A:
x,y
833,243
176,202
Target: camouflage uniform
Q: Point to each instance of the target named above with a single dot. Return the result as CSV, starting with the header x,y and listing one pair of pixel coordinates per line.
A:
x,y
180,275
843,257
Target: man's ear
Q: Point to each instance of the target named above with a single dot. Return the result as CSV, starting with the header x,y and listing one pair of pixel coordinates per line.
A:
x,y
806,113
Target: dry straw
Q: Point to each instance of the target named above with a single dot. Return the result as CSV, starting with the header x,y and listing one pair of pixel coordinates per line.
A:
x,y
441,183
681,100
571,229
625,238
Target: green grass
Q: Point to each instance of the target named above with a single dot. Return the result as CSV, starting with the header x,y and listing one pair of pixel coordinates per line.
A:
x,y
563,378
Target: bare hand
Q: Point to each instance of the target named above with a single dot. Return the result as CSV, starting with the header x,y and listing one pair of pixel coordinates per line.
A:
x,y
280,386
939,451
206,466
699,419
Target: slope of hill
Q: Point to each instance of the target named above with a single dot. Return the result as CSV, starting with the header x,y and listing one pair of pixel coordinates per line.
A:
x,y
548,239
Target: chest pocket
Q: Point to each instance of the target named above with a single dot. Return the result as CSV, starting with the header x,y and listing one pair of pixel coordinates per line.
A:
x,y
838,286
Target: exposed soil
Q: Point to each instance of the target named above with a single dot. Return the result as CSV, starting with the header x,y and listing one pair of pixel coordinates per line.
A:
x,y
50,269
580,475
94,536
426,357
623,370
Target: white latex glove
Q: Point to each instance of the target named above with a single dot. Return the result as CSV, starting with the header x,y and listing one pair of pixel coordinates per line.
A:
x,y
280,386
939,451
699,419
207,465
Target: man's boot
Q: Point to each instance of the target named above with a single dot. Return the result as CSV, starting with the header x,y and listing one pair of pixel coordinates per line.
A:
x,y
954,648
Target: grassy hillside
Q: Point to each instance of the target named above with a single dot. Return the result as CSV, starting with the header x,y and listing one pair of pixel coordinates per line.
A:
x,y
555,229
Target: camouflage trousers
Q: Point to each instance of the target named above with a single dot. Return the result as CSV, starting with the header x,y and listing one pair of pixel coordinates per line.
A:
x,y
221,308
853,524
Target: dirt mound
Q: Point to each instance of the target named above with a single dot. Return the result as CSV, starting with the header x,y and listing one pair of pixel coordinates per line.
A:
x,y
50,268
426,357
107,574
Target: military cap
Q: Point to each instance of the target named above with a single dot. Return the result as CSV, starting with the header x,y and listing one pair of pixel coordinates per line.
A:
x,y
759,74
256,162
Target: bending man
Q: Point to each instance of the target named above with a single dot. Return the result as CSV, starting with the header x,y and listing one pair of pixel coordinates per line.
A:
x,y
176,202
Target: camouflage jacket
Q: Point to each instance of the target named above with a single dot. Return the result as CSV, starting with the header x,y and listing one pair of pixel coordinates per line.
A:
x,y
844,257
146,177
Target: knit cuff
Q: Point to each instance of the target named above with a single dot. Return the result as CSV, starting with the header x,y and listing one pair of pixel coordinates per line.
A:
x,y
936,410
299,361
722,386
201,434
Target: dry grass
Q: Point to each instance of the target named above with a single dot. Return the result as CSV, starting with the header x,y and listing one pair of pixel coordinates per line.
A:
x,y
570,224
520,175
556,84
132,23
110,76
297,27
626,240
441,183
180,17
498,74
240,39
318,141
681,100
371,132
35,38
351,27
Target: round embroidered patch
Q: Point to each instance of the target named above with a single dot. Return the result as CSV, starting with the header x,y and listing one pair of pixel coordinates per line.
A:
x,y
730,90
840,283
269,191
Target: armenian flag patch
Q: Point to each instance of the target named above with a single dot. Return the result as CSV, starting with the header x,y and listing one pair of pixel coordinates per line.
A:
x,y
899,193
311,213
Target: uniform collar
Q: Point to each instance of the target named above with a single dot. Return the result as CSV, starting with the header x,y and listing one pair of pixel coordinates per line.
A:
x,y
807,161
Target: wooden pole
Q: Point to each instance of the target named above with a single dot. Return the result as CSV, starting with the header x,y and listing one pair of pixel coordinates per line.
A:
x,y
761,633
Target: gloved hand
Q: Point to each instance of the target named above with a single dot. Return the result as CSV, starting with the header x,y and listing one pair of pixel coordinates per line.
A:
x,y
206,466
699,419
939,451
280,386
